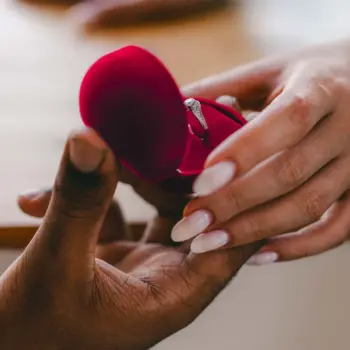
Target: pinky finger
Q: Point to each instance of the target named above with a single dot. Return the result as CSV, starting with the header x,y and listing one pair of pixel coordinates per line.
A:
x,y
331,231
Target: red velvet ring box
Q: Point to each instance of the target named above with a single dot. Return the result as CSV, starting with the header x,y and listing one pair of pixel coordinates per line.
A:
x,y
133,102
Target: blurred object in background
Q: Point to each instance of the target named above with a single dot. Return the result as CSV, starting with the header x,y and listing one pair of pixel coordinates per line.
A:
x,y
108,13
283,25
92,14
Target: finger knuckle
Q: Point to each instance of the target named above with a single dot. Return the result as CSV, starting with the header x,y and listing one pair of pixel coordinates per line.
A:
x,y
299,112
332,81
232,201
314,205
75,202
293,170
248,230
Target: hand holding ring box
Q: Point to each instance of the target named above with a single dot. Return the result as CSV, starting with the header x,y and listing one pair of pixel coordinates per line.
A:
x,y
130,98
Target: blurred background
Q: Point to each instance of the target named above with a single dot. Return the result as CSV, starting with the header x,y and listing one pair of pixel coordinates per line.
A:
x,y
45,49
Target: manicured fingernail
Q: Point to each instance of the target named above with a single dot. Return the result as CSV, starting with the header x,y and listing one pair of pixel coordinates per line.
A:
x,y
191,225
86,151
230,101
264,258
213,178
252,116
210,241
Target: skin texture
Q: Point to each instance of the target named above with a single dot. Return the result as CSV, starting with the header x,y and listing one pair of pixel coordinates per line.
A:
x,y
82,283
292,160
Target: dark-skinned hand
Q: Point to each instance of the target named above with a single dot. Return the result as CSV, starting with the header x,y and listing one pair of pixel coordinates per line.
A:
x,y
61,294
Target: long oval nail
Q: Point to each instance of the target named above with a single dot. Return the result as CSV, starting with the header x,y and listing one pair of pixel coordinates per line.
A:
x,y
263,258
214,178
210,241
191,225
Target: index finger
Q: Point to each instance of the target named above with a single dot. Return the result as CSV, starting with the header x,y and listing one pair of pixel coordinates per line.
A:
x,y
281,125
250,84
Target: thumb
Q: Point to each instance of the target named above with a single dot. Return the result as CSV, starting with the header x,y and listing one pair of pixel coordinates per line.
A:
x,y
35,203
250,84
81,196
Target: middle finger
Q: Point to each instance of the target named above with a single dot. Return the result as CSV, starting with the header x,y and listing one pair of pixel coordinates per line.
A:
x,y
289,213
279,175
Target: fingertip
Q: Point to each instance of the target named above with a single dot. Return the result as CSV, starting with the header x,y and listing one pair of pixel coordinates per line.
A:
x,y
229,101
89,153
263,258
87,177
214,178
22,202
34,202
210,241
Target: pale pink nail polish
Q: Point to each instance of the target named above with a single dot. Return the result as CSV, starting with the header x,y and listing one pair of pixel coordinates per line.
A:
x,y
214,178
191,225
263,258
210,241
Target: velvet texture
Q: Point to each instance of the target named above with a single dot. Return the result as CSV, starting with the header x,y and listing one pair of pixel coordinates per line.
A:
x,y
133,102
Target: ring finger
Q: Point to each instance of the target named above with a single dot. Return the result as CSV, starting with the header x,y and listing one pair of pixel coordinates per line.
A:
x,y
327,233
298,209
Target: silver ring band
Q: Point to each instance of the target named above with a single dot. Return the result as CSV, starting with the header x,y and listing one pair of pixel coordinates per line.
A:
x,y
195,107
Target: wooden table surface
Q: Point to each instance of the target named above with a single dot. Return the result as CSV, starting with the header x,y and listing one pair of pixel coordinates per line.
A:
x,y
42,60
